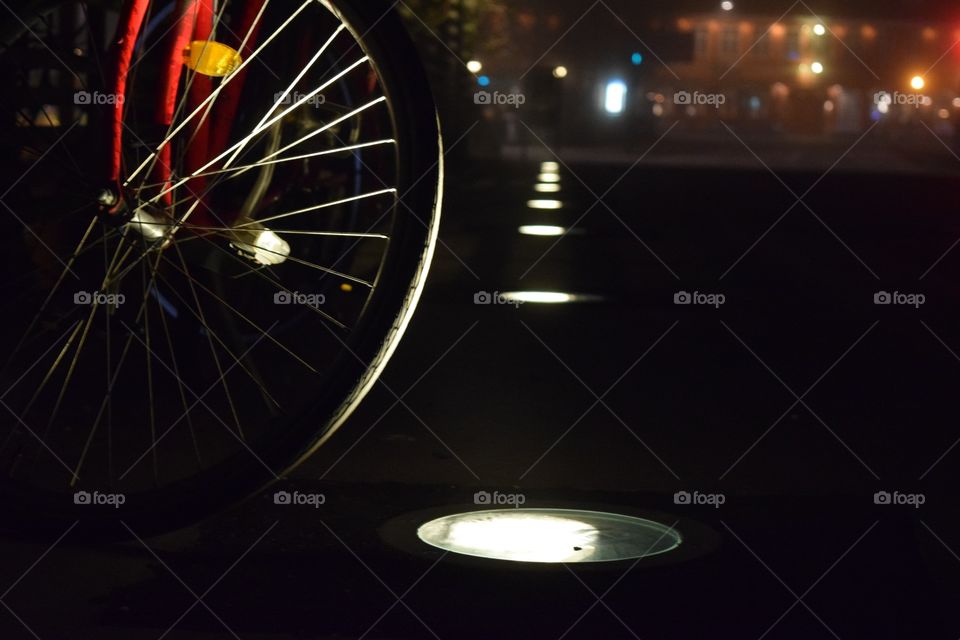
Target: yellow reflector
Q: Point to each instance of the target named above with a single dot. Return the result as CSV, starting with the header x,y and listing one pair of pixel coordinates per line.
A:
x,y
211,58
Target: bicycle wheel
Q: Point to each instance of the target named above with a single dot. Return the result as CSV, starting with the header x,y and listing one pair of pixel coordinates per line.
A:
x,y
188,328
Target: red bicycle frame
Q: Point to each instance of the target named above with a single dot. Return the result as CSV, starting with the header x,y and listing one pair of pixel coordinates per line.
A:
x,y
194,21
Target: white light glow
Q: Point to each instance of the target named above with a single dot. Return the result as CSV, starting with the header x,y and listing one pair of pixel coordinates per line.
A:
x,y
546,187
819,29
541,230
548,177
549,535
549,167
726,5
540,297
519,537
560,72
816,67
545,204
474,66
615,98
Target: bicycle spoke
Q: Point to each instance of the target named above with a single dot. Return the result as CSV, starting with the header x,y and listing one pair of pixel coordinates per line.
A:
x,y
56,363
213,350
226,81
63,274
317,207
306,156
9,437
286,92
218,230
108,398
191,76
332,272
247,320
260,129
325,128
96,423
147,357
179,379
203,323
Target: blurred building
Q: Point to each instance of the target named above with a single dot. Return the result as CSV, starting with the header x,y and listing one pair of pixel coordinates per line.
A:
x,y
807,75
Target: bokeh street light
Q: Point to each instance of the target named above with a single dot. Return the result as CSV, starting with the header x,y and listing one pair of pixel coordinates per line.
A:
x,y
918,83
474,66
615,97
560,72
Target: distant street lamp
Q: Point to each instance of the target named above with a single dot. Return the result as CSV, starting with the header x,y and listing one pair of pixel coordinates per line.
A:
x,y
817,68
615,98
560,72
918,83
819,29
474,66
726,5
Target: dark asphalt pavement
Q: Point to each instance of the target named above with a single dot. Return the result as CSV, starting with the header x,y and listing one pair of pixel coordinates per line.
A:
x,y
797,400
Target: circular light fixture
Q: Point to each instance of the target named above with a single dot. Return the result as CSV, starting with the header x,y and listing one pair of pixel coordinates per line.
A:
x,y
819,29
546,187
544,204
549,535
560,72
541,230
817,68
726,5
917,82
474,66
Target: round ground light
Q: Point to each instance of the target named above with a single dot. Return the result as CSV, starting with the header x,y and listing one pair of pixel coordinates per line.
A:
x,y
549,535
